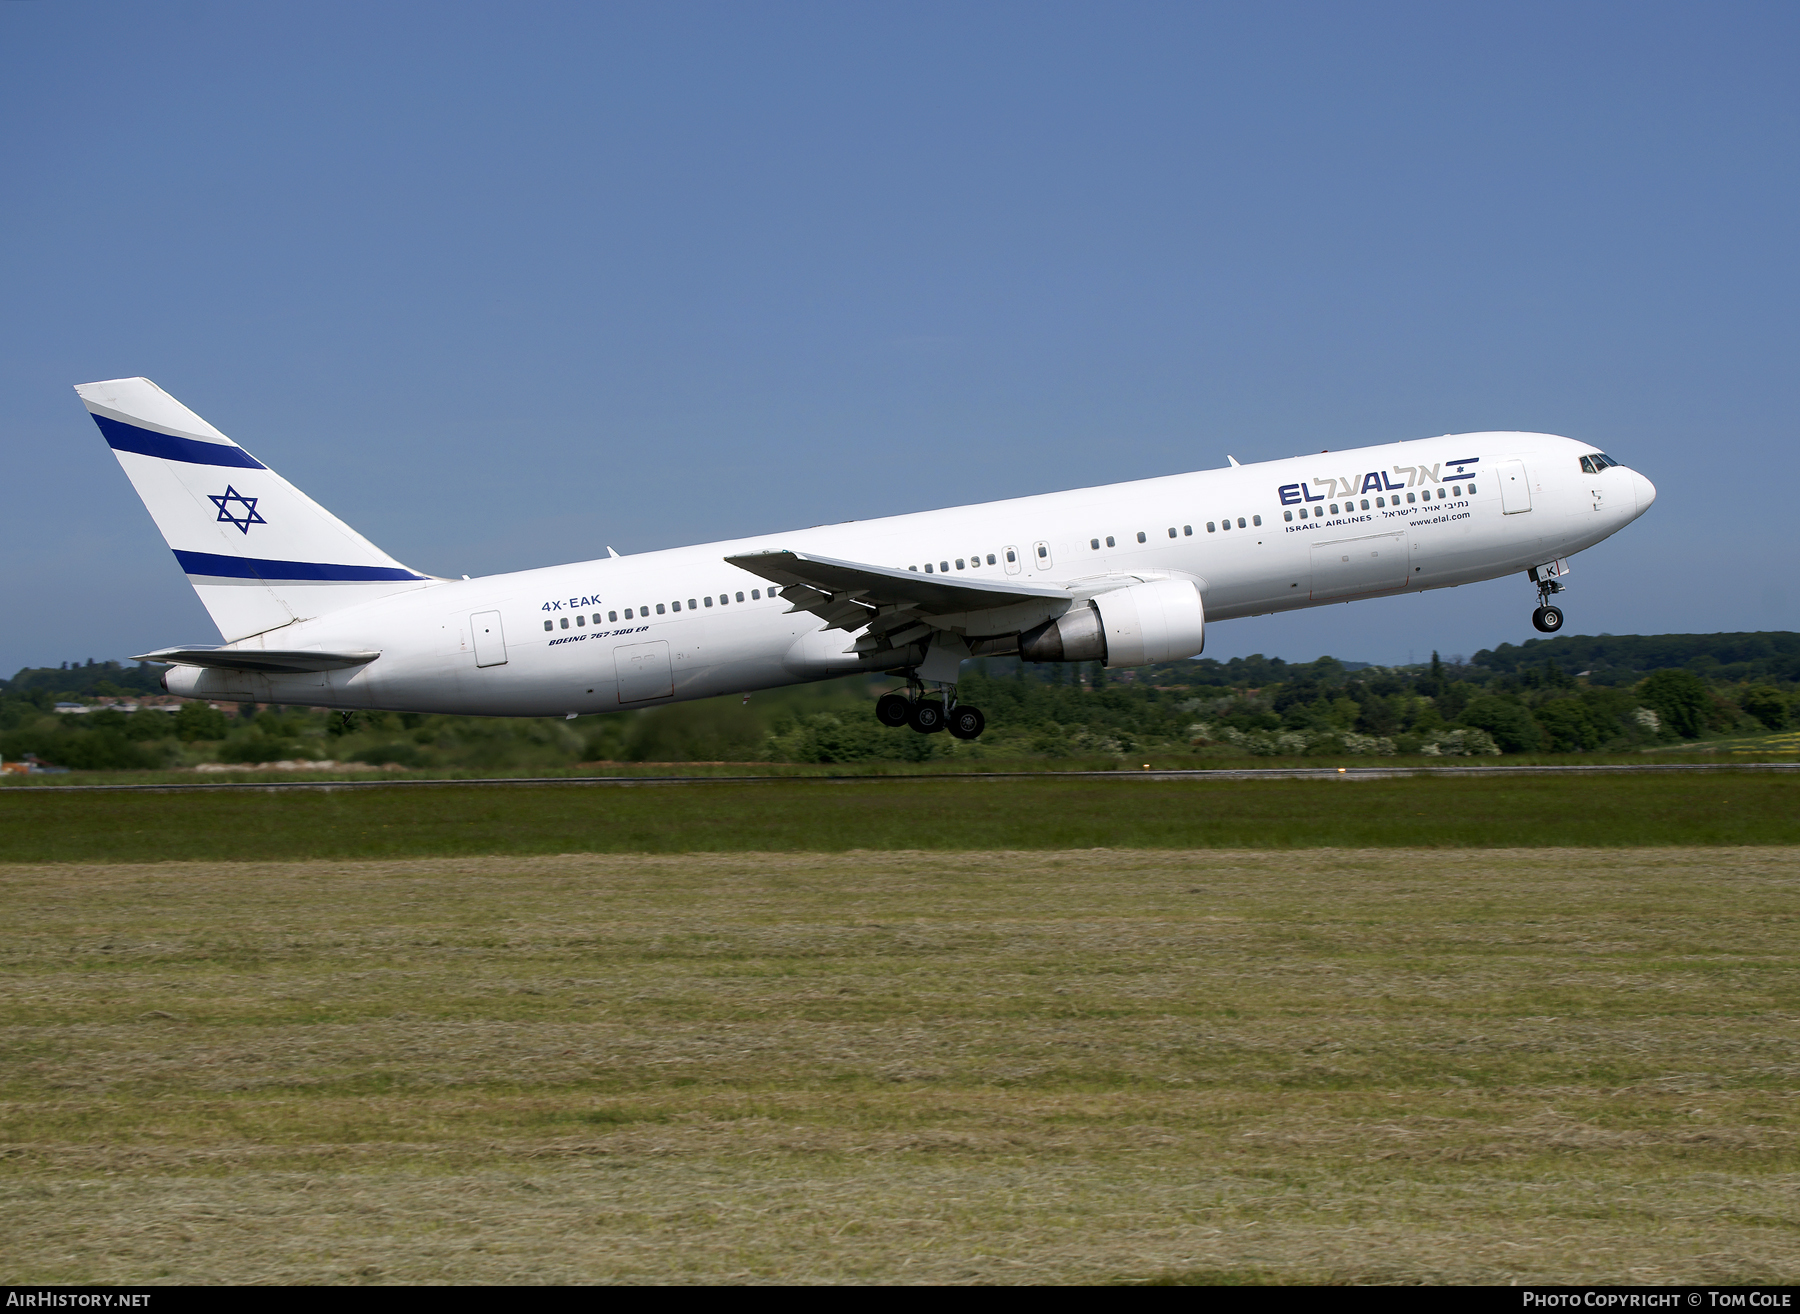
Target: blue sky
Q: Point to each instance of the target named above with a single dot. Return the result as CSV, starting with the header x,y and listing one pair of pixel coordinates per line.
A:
x,y
502,284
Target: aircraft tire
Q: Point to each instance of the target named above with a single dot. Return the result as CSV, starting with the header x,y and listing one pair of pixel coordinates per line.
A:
x,y
893,709
1547,620
966,722
927,717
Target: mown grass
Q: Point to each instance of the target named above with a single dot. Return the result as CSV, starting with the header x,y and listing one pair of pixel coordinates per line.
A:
x,y
1335,1065
823,815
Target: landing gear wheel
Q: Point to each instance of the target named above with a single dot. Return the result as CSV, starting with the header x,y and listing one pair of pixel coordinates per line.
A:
x,y
893,709
927,717
966,722
1547,620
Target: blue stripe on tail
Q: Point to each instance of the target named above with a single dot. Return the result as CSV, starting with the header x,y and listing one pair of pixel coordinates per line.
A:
x,y
124,437
223,567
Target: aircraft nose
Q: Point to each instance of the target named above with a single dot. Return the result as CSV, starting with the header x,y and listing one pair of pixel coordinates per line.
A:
x,y
1645,490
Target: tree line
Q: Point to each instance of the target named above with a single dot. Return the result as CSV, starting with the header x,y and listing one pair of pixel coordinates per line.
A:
x,y
1638,692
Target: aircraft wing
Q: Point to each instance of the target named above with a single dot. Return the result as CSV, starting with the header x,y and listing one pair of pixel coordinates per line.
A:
x,y
262,661
899,607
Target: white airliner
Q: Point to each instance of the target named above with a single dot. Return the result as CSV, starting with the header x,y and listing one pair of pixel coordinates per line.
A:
x,y
314,614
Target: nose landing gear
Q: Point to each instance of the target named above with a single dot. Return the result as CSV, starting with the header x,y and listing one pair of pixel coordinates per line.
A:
x,y
1548,618
928,715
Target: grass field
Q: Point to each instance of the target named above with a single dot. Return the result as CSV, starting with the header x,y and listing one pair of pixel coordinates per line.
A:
x,y
1330,1064
49,825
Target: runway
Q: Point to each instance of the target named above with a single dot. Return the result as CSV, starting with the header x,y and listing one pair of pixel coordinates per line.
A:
x,y
1344,774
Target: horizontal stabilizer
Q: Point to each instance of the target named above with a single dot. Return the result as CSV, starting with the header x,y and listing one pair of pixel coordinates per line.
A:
x,y
262,661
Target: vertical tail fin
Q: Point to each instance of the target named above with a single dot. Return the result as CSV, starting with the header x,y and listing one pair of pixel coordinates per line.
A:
x,y
260,553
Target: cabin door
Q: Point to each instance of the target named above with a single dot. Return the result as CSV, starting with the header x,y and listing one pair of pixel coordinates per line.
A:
x,y
490,639
1515,489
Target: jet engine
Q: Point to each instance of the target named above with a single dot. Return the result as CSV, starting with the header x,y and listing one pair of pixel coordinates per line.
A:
x,y
1163,620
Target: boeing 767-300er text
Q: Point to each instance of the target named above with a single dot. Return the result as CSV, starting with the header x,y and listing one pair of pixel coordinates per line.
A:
x,y
315,614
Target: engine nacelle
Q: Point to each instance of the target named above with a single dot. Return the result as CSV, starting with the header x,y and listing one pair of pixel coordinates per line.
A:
x,y
1163,620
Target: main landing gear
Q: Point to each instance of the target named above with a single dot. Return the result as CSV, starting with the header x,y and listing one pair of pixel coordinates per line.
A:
x,y
929,715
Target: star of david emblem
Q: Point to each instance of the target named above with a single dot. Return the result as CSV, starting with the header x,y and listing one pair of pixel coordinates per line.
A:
x,y
243,520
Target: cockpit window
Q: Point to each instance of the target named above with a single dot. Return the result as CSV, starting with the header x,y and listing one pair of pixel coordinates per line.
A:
x,y
1596,463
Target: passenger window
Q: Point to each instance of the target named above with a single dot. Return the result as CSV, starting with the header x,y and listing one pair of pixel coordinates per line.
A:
x,y
1225,523
1241,524
928,569
1380,501
757,593
1094,543
1043,551
708,600
565,622
959,564
914,569
1010,555
1457,491
1188,530
691,603
1210,527
1365,502
1287,515
676,605
580,622
1471,490
1171,531
991,560
1334,509
613,616
943,566
549,625
597,620
1411,498
1109,541
1256,520
740,597
628,613
659,609
1141,536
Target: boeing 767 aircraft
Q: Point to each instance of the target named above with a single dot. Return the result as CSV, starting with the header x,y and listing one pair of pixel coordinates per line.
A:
x,y
312,613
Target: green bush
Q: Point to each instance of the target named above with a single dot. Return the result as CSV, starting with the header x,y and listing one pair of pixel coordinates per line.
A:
x,y
1507,721
1680,698
1569,725
200,721
1766,705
